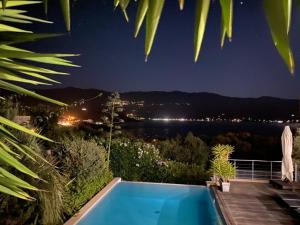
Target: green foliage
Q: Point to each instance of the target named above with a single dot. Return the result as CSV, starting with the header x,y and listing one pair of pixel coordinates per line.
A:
x,y
182,173
8,108
136,160
227,18
202,9
191,150
83,162
278,14
296,148
220,166
222,151
48,207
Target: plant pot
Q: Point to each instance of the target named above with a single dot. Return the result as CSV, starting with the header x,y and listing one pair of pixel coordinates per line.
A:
x,y
225,186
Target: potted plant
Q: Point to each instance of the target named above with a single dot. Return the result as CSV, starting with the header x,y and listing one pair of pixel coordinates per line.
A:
x,y
222,169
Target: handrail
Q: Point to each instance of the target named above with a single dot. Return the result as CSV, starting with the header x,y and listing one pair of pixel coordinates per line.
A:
x,y
255,160
249,169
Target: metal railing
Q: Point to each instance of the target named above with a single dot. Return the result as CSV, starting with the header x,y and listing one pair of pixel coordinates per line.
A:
x,y
260,169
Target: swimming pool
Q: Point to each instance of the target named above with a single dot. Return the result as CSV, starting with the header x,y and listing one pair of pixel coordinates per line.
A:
x,y
133,203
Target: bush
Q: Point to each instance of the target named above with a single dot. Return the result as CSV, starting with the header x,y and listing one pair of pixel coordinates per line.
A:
x,y
183,173
190,150
135,160
84,162
296,148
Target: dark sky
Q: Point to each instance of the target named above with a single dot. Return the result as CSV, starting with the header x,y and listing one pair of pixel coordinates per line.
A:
x,y
112,59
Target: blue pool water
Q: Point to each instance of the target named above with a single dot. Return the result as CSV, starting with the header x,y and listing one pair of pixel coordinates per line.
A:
x,y
131,203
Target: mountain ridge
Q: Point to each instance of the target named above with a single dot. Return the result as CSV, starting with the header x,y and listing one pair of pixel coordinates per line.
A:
x,y
177,104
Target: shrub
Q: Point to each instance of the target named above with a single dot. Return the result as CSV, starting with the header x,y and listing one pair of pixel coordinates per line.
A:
x,y
183,173
296,147
220,166
135,160
84,162
191,150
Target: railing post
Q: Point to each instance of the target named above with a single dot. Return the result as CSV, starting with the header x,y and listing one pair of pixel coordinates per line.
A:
x,y
252,169
296,172
234,163
271,177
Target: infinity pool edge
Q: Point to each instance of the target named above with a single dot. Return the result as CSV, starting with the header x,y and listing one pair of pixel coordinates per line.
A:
x,y
77,217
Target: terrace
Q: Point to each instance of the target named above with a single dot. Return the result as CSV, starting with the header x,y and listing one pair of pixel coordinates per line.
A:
x,y
253,199
255,203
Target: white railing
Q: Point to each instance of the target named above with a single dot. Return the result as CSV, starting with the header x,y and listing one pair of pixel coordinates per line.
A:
x,y
260,170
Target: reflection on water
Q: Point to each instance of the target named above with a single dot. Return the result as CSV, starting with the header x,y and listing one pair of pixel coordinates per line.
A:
x,y
161,130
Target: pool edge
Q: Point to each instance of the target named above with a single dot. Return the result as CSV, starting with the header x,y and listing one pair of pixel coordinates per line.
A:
x,y
221,208
90,204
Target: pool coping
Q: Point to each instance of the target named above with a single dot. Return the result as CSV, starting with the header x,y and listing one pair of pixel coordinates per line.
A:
x,y
90,204
221,207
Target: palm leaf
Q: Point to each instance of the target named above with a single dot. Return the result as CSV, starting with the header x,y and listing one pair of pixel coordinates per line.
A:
x,y
18,3
17,89
65,6
227,17
123,5
45,2
13,69
18,127
12,161
279,21
17,38
16,180
4,2
152,21
287,5
141,13
116,3
202,8
11,191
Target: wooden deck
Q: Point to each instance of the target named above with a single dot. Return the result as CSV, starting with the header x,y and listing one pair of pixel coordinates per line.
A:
x,y
255,203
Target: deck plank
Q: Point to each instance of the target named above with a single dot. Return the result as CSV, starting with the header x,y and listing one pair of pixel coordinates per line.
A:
x,y
251,203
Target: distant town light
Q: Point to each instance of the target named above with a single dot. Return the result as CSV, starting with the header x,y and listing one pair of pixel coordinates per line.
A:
x,y
68,121
84,109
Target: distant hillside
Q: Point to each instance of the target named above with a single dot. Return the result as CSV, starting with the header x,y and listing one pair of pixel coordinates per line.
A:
x,y
178,104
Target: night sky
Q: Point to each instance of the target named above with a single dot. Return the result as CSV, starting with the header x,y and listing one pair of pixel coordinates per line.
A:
x,y
113,60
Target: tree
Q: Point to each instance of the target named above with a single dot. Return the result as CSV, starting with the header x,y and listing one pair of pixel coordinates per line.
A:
x,y
112,120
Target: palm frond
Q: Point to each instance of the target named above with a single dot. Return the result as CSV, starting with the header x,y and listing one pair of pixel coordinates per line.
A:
x,y
15,68
278,15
